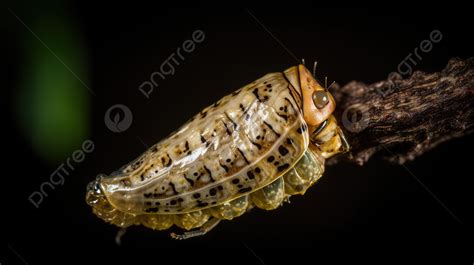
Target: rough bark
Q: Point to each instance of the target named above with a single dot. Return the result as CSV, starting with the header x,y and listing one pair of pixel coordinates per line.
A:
x,y
406,117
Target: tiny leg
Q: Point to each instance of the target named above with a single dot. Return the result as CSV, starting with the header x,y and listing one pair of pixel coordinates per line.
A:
x,y
118,237
208,226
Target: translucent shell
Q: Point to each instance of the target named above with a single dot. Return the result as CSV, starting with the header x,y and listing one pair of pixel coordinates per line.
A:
x,y
238,145
250,149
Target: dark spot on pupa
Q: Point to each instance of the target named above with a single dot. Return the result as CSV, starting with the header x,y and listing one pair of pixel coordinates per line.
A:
x,y
148,203
202,204
276,163
270,159
212,192
224,167
232,121
269,85
195,174
243,156
173,202
197,195
256,145
255,92
235,181
209,173
244,190
220,187
173,188
226,129
283,151
152,210
186,146
250,175
257,169
126,182
147,195
285,117
283,167
169,161
157,203
271,128
166,210
265,98
239,186
190,181
289,141
180,200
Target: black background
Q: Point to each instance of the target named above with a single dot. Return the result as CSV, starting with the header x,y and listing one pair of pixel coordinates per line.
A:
x,y
377,212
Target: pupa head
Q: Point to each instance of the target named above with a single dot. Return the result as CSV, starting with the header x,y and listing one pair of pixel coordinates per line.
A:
x,y
318,103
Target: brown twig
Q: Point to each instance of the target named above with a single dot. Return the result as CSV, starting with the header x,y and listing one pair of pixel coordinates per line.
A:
x,y
408,116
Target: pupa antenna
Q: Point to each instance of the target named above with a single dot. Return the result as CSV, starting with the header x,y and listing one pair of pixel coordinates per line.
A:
x,y
333,82
314,68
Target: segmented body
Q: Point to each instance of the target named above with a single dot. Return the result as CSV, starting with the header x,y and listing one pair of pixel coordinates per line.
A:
x,y
248,149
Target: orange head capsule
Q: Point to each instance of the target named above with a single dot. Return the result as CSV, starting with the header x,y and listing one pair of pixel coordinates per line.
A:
x,y
318,105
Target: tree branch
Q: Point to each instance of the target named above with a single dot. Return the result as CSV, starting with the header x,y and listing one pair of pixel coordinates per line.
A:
x,y
406,116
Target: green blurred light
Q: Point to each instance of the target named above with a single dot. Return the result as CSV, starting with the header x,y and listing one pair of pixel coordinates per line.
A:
x,y
53,105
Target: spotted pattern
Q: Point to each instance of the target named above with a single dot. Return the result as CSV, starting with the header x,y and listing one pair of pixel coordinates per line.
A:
x,y
232,148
